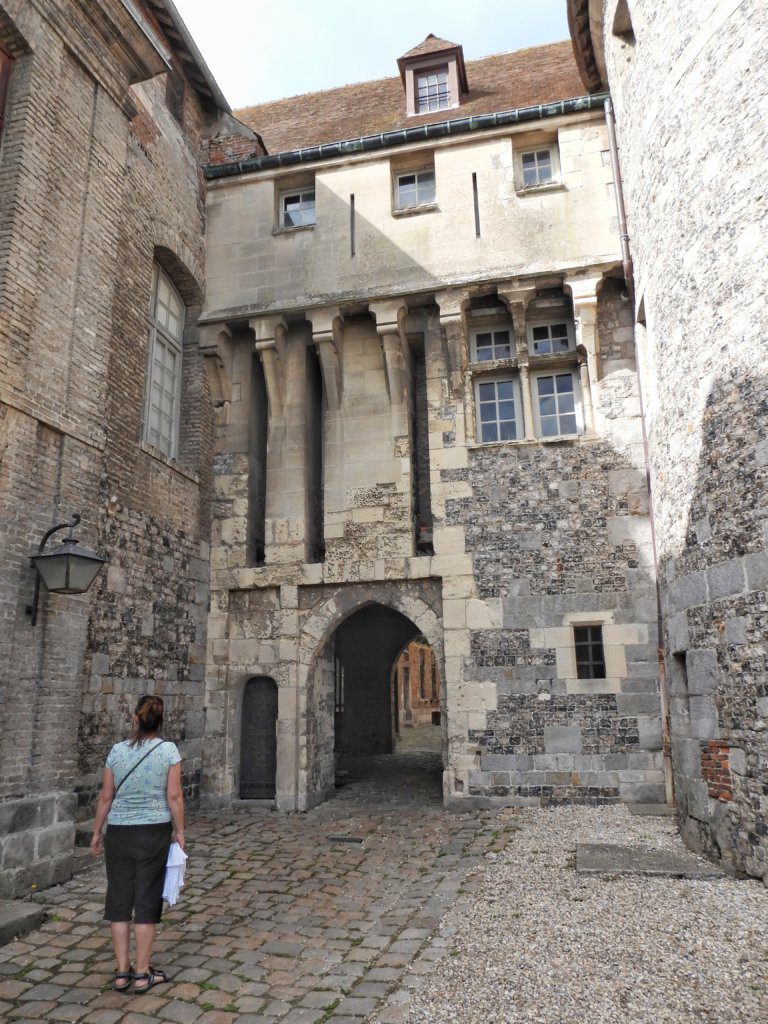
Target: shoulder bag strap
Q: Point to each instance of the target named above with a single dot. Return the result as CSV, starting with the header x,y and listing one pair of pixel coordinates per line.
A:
x,y
117,788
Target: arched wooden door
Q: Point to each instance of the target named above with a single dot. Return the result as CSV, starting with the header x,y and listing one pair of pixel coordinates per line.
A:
x,y
258,740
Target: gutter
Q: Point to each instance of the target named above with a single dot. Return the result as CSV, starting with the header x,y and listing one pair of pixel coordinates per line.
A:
x,y
404,136
629,277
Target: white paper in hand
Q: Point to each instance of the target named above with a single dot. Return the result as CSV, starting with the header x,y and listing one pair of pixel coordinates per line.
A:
x,y
174,873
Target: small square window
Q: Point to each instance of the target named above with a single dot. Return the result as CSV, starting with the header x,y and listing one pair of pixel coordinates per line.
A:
x,y
414,188
550,339
432,90
494,343
297,209
590,653
538,167
498,410
556,406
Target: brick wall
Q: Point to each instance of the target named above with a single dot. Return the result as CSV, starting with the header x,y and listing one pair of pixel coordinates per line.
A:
x,y
87,201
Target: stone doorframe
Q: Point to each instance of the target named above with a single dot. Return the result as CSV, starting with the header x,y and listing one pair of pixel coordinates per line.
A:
x,y
419,601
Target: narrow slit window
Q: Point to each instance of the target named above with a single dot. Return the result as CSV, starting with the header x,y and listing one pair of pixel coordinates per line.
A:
x,y
476,204
590,653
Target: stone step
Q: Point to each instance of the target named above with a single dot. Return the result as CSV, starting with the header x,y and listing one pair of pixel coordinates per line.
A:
x,y
17,917
652,810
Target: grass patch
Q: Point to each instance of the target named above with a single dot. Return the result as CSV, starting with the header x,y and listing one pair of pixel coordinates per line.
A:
x,y
328,1011
208,986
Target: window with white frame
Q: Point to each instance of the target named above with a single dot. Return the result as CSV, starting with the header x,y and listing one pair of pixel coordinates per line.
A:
x,y
499,409
556,404
297,208
432,90
492,343
550,338
538,167
166,329
414,188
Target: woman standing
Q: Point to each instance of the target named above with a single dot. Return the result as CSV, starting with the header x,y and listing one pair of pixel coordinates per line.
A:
x,y
140,796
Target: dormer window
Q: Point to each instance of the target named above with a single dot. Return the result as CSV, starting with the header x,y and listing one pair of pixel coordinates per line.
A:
x,y
432,90
434,76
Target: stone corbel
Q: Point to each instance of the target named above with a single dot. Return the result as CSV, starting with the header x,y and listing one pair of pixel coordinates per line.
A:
x,y
214,340
398,362
583,291
270,333
451,304
327,336
517,298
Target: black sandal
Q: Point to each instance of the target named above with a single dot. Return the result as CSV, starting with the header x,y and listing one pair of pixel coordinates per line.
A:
x,y
153,977
127,977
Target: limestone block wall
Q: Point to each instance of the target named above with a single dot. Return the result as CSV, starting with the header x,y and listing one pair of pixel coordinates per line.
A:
x,y
86,204
253,265
692,148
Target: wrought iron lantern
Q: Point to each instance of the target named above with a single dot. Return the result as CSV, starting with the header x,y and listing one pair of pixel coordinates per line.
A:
x,y
69,568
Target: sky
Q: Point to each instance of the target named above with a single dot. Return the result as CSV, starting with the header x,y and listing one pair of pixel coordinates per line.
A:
x,y
261,50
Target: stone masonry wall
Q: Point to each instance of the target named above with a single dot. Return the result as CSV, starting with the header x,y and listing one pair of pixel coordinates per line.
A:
x,y
557,535
692,148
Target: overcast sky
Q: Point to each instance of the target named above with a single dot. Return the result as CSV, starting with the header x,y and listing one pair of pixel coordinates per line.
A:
x,y
261,50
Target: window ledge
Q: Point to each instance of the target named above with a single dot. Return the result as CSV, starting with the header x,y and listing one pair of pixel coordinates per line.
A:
x,y
482,366
158,456
293,230
531,442
410,211
533,190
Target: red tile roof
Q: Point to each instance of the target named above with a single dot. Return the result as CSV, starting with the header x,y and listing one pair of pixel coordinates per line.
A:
x,y
540,74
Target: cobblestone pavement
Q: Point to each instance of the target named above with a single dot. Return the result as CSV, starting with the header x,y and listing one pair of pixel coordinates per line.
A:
x,y
282,919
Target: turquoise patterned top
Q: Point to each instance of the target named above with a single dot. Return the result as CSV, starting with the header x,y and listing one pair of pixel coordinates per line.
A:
x,y
142,800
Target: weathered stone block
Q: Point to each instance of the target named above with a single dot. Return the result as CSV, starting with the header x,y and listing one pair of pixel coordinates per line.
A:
x,y
726,579
701,667
562,739
649,732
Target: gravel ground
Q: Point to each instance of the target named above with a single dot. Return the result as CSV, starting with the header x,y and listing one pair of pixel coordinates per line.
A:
x,y
535,943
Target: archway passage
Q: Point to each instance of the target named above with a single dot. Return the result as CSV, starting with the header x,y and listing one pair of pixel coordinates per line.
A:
x,y
371,651
367,645
258,739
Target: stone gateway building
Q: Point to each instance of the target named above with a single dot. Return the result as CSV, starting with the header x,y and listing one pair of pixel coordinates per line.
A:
x,y
354,374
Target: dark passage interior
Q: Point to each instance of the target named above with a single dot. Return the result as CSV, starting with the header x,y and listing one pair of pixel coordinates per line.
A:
x,y
367,647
